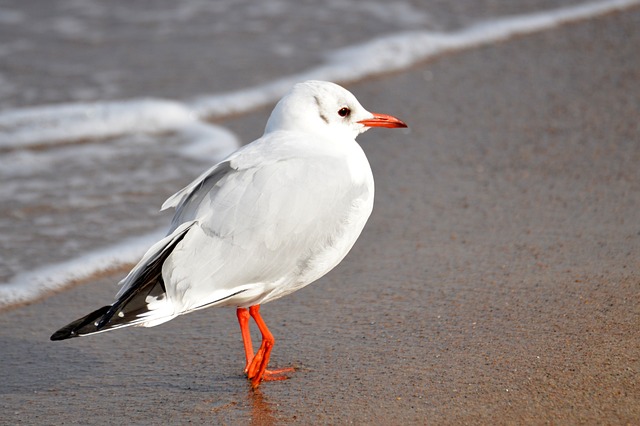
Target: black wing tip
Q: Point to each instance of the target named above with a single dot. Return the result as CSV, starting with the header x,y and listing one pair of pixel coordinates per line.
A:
x,y
63,334
81,326
100,319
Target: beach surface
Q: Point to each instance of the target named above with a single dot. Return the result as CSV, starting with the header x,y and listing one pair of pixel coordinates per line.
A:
x,y
497,280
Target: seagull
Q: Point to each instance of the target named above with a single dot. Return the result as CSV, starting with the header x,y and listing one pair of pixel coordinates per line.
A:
x,y
271,218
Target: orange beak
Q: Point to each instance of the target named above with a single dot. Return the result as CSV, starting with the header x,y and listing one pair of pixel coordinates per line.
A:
x,y
383,120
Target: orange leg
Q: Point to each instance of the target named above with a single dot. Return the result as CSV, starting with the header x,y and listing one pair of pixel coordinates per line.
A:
x,y
256,367
243,320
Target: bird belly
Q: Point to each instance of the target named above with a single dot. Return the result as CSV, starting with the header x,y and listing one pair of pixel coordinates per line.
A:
x,y
325,255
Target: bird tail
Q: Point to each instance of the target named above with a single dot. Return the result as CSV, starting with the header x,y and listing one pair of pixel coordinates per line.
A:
x,y
142,300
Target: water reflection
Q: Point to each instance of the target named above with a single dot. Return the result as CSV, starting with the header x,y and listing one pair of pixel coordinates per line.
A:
x,y
262,411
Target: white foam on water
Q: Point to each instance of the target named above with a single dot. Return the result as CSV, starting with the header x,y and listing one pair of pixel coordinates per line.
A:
x,y
30,285
51,126
397,52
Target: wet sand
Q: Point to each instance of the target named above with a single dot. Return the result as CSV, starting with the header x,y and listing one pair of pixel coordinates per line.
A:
x,y
496,282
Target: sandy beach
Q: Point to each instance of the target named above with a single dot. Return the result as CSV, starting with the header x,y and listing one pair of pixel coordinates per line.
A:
x,y
497,281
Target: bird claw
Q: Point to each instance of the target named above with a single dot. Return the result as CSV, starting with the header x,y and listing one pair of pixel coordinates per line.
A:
x,y
271,376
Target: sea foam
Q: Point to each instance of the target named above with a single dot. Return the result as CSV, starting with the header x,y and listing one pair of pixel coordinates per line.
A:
x,y
33,284
48,125
396,52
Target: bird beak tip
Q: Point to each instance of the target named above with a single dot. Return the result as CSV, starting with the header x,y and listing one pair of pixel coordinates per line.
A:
x,y
383,120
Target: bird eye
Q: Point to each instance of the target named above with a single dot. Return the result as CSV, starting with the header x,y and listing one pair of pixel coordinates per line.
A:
x,y
343,112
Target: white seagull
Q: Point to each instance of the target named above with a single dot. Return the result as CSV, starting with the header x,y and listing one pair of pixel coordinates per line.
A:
x,y
271,218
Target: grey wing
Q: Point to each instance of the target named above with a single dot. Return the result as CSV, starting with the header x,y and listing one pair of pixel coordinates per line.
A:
x,y
187,200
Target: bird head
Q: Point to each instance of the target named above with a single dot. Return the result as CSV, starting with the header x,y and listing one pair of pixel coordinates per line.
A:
x,y
326,108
